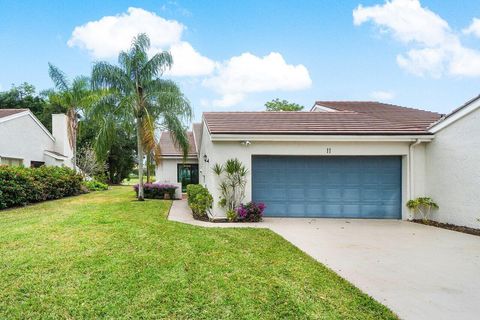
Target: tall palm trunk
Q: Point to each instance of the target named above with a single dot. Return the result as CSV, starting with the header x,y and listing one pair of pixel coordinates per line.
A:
x,y
149,160
140,160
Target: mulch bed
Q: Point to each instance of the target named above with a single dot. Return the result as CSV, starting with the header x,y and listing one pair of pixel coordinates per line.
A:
x,y
473,231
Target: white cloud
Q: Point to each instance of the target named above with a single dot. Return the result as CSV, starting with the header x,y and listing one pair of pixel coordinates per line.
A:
x,y
248,73
188,62
233,79
474,28
438,50
106,37
381,95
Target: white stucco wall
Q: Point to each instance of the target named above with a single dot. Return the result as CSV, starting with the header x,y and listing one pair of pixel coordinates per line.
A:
x,y
23,138
60,132
166,171
220,151
453,171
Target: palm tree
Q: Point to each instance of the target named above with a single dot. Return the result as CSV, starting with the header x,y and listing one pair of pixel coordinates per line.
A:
x,y
138,95
73,98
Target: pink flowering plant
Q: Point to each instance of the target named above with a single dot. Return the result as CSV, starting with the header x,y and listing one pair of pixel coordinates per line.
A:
x,y
250,212
157,190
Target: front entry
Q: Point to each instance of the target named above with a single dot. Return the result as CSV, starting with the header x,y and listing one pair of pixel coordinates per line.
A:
x,y
187,173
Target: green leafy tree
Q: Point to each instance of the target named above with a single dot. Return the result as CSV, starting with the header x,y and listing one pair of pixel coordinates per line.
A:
x,y
282,105
24,96
118,151
137,95
73,97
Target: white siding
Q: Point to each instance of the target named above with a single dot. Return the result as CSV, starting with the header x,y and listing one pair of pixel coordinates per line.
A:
x,y
23,138
453,171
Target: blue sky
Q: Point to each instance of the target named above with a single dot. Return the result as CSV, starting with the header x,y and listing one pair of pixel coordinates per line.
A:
x,y
236,55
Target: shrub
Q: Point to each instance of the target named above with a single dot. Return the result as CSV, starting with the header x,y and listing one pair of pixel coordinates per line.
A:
x,y
157,190
20,186
252,212
199,200
233,179
422,205
94,185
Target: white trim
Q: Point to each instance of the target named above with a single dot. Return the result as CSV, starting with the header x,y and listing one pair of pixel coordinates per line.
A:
x,y
167,157
55,156
24,113
194,139
320,108
14,116
466,109
295,137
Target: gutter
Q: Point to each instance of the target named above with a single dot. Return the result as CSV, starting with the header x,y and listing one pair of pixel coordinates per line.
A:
x,y
411,167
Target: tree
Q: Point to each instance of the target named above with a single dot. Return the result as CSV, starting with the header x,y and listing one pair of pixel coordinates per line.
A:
x,y
24,96
138,95
73,97
282,105
88,163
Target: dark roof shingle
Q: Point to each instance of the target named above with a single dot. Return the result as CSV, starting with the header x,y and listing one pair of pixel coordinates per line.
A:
x,y
9,112
168,148
350,118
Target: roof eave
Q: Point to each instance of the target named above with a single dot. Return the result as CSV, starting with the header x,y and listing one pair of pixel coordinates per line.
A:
x,y
370,137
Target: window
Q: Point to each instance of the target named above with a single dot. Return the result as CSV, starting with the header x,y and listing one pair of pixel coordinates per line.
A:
x,y
36,164
11,161
187,174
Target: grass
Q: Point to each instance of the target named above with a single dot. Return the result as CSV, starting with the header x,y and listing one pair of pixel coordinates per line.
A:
x,y
105,255
134,180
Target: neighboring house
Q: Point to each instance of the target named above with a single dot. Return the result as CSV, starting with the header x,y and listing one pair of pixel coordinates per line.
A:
x,y
174,166
344,159
453,166
24,140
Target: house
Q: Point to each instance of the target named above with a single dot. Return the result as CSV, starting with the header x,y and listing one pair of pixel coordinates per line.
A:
x,y
345,159
24,140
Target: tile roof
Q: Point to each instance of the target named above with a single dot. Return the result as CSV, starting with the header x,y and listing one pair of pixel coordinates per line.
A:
x,y
168,147
9,112
350,118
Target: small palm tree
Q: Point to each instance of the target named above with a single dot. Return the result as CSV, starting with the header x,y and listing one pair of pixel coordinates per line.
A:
x,y
73,98
422,205
136,94
233,175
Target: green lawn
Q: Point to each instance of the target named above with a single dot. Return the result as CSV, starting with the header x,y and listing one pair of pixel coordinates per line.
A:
x,y
134,180
105,255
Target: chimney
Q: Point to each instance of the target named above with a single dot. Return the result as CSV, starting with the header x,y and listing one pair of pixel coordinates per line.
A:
x,y
60,133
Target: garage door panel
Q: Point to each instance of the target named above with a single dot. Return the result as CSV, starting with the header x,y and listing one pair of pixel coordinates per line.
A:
x,y
361,187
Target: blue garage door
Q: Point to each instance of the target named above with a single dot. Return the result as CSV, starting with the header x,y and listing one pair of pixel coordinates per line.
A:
x,y
338,187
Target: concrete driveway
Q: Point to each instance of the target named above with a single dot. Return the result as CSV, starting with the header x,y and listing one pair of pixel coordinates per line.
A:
x,y
419,272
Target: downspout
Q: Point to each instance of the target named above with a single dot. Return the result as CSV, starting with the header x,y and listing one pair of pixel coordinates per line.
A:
x,y
411,168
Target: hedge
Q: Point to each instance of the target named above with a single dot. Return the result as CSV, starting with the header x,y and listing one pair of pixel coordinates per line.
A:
x,y
94,185
20,186
199,200
156,190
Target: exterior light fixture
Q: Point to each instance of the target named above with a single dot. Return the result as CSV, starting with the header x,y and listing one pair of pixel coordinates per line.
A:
x,y
205,158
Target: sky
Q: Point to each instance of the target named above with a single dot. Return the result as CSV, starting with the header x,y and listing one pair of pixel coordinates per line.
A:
x,y
236,55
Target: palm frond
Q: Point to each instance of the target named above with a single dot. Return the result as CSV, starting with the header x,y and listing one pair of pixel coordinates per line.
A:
x,y
156,65
107,76
58,77
149,141
178,132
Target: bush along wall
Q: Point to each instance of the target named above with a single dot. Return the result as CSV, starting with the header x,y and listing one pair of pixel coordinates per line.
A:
x,y
20,186
199,200
157,190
